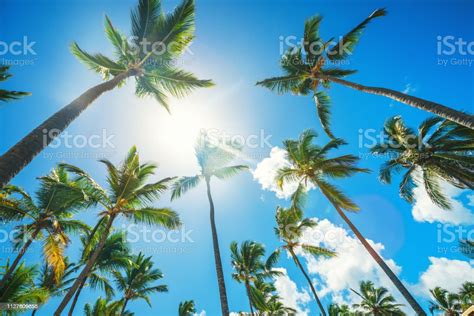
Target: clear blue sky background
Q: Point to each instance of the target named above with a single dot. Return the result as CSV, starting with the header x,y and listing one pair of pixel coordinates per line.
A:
x,y
237,44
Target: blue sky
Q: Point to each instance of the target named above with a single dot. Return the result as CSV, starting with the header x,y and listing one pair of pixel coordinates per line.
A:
x,y
238,43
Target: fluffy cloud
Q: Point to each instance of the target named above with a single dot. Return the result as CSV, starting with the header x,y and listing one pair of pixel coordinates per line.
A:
x,y
266,171
446,273
351,265
424,210
290,295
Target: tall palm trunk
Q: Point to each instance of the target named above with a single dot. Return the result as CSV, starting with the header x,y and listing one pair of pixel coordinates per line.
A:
x,y
21,154
124,306
395,280
76,297
87,269
15,263
247,288
217,254
432,107
298,263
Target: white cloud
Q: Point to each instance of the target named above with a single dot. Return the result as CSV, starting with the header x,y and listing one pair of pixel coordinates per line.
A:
x,y
266,171
446,273
352,264
202,313
409,88
290,295
424,210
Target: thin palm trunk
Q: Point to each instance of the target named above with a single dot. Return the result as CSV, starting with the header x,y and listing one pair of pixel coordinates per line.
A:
x,y
298,263
247,288
76,297
23,152
395,280
217,255
124,306
432,107
87,269
20,255
33,313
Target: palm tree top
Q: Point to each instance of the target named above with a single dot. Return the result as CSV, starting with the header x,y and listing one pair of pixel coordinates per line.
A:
x,y
377,300
156,40
186,308
305,66
7,95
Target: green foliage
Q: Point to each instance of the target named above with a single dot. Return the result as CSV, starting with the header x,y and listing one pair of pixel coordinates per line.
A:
x,y
186,308
8,95
376,301
438,152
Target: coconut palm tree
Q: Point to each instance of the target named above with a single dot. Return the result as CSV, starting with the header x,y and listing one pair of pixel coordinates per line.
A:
x,y
376,301
305,71
213,159
49,219
113,257
445,302
310,164
158,40
248,264
186,308
21,289
137,281
47,280
266,301
466,295
128,195
102,307
339,310
291,225
439,150
7,95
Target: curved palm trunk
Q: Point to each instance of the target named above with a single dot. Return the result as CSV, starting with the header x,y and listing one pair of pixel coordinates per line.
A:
x,y
33,313
76,297
217,254
87,269
298,263
247,288
23,152
15,263
395,280
432,107
124,306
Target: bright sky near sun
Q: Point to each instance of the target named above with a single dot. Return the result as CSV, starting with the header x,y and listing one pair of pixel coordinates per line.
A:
x,y
237,44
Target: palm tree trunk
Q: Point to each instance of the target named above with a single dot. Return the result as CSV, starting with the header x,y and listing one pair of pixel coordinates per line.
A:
x,y
23,152
22,251
217,254
76,297
298,263
247,288
124,306
395,280
432,107
87,269
33,313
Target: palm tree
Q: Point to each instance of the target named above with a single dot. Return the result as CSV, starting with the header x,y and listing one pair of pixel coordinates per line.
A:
x,y
103,307
445,301
290,228
305,71
266,301
186,308
47,280
128,195
113,257
249,266
21,288
137,281
49,218
213,159
339,310
311,164
466,295
377,301
7,95
152,67
439,151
